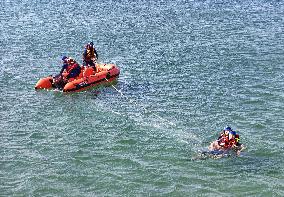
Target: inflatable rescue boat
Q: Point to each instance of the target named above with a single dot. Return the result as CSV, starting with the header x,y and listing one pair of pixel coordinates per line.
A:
x,y
88,78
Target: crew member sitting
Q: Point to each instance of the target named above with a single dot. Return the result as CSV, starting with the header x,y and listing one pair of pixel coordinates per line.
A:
x,y
70,69
73,70
58,80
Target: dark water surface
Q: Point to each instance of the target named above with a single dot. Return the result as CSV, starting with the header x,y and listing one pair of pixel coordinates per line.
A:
x,y
188,68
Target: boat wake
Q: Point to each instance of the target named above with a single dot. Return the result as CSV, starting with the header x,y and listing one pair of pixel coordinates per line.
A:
x,y
215,154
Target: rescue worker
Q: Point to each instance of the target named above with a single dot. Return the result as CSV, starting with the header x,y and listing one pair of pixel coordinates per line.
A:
x,y
221,141
58,80
228,140
225,132
90,55
95,51
70,69
64,65
73,70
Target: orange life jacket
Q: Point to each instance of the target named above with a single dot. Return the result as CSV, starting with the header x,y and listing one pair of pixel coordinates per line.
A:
x,y
90,53
226,143
231,143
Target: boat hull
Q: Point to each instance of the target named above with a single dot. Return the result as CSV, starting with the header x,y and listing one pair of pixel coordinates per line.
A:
x,y
44,83
105,74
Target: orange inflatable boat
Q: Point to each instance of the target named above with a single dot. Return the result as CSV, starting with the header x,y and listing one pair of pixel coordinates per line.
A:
x,y
88,78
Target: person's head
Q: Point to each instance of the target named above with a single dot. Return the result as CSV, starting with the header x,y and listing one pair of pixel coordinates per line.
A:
x,y
91,44
64,58
71,60
227,130
232,135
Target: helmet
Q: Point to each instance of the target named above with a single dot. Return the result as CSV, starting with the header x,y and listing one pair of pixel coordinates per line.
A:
x,y
227,129
70,60
233,133
91,43
64,58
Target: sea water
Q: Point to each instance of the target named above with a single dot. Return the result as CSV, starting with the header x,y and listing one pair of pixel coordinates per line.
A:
x,y
188,69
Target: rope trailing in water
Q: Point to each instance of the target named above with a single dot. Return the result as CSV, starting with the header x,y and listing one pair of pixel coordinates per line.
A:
x,y
146,110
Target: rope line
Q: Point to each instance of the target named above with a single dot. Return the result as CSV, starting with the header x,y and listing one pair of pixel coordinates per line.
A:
x,y
146,110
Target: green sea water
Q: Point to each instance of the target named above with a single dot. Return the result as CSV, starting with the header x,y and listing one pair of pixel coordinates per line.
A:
x,y
188,69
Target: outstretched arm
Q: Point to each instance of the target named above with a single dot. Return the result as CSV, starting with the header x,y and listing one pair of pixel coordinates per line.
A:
x,y
239,148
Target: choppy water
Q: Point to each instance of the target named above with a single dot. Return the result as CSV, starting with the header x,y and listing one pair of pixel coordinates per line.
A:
x,y
188,68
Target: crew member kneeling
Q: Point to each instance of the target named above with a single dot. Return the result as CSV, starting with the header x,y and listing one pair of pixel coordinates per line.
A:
x,y
70,70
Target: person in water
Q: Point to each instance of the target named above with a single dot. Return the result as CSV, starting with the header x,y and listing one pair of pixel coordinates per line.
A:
x,y
227,140
90,55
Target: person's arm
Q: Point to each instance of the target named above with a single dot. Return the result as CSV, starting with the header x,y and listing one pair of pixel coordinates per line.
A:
x,y
64,66
96,53
239,148
84,54
62,69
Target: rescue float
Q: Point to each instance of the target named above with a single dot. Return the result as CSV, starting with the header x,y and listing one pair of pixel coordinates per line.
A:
x,y
89,77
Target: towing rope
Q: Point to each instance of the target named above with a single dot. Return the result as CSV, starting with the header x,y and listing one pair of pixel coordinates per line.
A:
x,y
146,110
